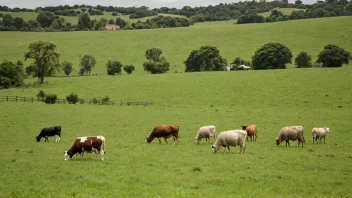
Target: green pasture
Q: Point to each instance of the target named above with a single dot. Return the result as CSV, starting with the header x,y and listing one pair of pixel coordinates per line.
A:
x,y
286,11
128,47
316,97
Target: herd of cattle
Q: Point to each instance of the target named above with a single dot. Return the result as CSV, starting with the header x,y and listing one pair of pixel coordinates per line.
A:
x,y
225,139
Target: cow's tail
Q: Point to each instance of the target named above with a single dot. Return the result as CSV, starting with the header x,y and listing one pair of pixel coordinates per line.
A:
x,y
104,146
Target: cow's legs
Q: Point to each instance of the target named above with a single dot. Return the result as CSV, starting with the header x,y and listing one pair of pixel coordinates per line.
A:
x,y
102,154
46,138
166,141
57,138
159,141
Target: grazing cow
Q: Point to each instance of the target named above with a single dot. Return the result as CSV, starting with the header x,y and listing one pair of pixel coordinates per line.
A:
x,y
205,132
251,131
319,133
51,131
87,144
164,131
243,67
290,133
231,138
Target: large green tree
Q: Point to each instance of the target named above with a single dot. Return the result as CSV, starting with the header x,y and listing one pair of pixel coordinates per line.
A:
x,y
272,56
67,67
84,21
46,59
333,56
11,74
87,63
45,18
157,64
207,58
113,67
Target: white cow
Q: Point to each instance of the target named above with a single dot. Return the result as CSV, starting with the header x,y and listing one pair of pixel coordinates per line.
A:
x,y
319,133
205,132
231,138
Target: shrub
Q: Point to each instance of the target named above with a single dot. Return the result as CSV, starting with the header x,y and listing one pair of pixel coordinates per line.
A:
x,y
303,60
94,101
72,98
128,69
105,100
81,101
41,95
50,99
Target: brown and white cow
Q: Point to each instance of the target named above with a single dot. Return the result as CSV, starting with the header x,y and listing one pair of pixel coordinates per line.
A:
x,y
164,131
87,144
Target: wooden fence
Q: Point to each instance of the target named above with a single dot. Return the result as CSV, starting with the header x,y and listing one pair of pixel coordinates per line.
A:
x,y
81,101
24,85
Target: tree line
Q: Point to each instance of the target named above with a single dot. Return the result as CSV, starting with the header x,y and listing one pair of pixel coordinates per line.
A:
x,y
245,12
48,21
207,58
320,9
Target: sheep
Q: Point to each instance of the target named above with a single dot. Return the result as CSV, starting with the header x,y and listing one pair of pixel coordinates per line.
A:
x,y
251,131
290,133
205,132
319,133
231,138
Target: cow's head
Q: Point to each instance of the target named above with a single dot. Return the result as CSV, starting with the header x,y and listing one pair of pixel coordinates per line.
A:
x,y
67,155
244,127
197,140
149,139
38,138
278,141
214,149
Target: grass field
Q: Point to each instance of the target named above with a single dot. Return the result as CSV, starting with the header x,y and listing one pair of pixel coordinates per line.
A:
x,y
286,11
129,47
133,168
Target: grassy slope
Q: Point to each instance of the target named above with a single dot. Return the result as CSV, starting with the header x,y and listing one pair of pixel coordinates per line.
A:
x,y
271,99
310,35
286,11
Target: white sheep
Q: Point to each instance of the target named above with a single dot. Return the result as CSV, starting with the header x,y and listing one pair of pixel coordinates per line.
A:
x,y
231,138
290,133
205,132
319,133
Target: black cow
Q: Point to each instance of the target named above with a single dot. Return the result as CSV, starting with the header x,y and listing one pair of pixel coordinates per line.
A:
x,y
51,131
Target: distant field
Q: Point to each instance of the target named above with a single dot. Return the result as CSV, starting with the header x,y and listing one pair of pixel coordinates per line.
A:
x,y
286,11
271,99
310,35
74,20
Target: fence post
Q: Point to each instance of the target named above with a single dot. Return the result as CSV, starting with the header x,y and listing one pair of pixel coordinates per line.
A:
x,y
16,98
121,103
32,99
7,98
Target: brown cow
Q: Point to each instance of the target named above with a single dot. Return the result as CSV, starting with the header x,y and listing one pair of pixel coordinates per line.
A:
x,y
87,144
251,131
164,131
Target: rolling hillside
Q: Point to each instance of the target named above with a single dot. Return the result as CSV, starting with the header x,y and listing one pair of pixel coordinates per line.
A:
x,y
309,35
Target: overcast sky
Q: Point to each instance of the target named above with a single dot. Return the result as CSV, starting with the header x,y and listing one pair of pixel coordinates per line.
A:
x,y
120,3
